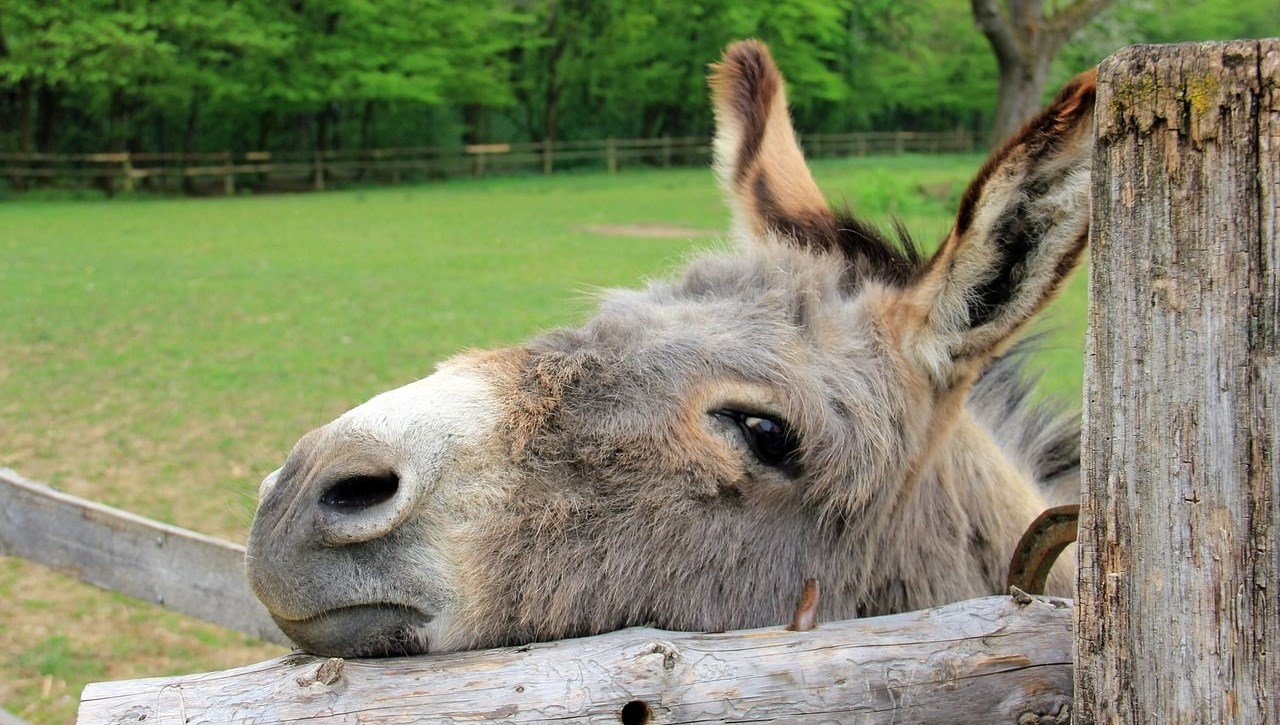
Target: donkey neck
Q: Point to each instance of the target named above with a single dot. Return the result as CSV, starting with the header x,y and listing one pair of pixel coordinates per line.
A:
x,y
951,538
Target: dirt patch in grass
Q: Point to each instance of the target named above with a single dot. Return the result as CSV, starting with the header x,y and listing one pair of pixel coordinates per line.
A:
x,y
649,231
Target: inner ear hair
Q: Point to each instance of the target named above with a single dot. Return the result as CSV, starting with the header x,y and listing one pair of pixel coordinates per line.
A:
x,y
1020,231
757,159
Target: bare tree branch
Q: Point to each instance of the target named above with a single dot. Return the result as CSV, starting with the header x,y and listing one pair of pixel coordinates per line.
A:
x,y
998,28
1070,19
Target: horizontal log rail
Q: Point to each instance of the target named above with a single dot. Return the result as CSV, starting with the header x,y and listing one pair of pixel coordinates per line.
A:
x,y
978,661
190,573
122,171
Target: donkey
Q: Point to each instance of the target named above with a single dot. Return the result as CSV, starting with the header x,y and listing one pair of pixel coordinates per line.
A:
x,y
818,402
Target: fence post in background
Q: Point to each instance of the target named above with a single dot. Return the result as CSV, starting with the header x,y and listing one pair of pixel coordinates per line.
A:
x,y
477,164
396,169
611,155
317,170
229,174
548,156
126,173
899,142
1178,616
666,151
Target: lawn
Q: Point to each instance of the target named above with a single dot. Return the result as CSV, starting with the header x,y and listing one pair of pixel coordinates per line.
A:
x,y
162,355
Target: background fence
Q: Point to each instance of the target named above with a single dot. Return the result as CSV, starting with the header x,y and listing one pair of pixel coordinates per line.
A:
x,y
226,172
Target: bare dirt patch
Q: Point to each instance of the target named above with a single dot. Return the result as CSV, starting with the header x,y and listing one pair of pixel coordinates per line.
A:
x,y
649,231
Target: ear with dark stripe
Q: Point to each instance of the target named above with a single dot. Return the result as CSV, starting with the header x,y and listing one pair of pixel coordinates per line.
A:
x,y
758,161
1021,229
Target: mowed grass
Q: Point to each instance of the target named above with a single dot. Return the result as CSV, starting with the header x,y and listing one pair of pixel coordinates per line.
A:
x,y
162,355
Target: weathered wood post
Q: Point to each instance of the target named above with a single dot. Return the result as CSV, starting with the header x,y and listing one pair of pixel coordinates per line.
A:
x,y
228,174
1178,615
126,173
611,155
317,172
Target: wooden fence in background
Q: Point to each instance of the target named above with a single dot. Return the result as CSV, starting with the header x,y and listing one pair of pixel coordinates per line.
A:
x,y
1178,617
226,172
119,551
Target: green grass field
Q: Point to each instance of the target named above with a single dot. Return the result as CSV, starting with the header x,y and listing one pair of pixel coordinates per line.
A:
x,y
162,355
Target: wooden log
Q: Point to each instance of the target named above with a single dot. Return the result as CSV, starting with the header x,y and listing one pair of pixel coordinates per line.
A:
x,y
191,573
1179,591
980,661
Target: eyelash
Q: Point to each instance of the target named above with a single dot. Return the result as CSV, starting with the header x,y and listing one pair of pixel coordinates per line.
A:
x,y
770,439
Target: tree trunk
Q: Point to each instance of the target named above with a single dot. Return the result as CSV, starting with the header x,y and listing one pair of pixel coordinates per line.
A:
x,y
1020,95
551,116
26,115
1179,590
366,124
50,109
551,97
473,122
1025,42
266,121
118,118
26,111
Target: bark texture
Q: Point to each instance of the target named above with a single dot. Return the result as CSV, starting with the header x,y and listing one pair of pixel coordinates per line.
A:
x,y
1178,617
1026,40
981,661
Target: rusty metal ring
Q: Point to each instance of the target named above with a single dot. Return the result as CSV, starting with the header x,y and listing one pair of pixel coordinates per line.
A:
x,y
1037,550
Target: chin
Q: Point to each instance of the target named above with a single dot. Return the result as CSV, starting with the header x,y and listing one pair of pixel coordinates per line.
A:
x,y
363,630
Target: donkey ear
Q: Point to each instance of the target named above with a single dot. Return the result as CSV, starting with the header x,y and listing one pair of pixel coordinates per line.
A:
x,y
757,159
1020,231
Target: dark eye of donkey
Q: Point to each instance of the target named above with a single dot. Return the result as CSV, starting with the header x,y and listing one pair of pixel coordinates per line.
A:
x,y
770,439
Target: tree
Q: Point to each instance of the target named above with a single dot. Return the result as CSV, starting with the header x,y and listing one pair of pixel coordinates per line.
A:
x,y
1026,41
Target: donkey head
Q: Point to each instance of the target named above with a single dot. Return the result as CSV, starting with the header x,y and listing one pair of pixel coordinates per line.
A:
x,y
817,402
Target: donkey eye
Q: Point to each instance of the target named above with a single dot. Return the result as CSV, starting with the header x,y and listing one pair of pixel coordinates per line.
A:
x,y
770,439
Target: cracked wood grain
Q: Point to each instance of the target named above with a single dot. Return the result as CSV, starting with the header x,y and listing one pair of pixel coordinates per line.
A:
x,y
980,661
1178,615
197,575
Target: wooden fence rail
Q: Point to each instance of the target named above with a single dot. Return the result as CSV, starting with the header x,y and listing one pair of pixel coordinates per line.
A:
x,y
981,661
125,172
1178,618
178,569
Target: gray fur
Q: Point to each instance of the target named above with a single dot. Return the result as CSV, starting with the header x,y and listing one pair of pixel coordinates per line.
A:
x,y
583,481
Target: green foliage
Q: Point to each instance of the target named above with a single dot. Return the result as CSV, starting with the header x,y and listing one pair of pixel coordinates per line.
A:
x,y
1167,21
91,75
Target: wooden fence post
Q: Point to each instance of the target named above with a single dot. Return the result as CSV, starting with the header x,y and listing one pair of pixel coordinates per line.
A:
x,y
611,155
1178,615
548,156
126,173
229,175
317,171
666,151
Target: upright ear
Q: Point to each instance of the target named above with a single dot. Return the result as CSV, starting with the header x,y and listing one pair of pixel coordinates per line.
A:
x,y
757,159
1020,231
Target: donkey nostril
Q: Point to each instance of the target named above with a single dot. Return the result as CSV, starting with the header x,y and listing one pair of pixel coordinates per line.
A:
x,y
360,492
